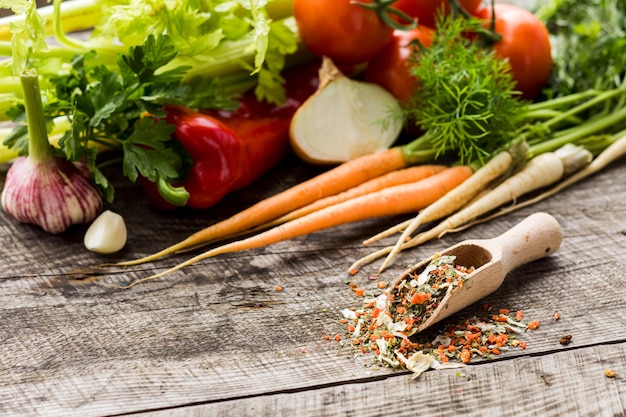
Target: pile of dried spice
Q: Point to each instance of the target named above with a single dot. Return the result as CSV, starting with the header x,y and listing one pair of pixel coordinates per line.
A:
x,y
413,301
386,325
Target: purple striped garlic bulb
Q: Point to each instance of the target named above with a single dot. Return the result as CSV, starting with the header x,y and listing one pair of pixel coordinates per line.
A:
x,y
42,188
52,193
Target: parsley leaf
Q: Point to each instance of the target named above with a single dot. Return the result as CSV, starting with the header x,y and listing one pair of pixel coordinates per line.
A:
x,y
146,151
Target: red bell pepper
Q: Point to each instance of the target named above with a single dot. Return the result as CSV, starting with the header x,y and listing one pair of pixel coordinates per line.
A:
x,y
230,150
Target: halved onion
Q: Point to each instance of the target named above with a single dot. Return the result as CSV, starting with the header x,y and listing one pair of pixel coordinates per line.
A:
x,y
344,119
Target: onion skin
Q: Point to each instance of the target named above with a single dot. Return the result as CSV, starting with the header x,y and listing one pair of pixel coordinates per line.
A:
x,y
54,194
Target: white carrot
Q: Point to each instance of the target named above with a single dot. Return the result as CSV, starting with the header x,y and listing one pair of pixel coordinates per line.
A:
x,y
614,151
450,203
455,199
540,171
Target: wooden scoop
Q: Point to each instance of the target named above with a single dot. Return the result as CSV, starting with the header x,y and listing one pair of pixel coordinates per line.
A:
x,y
533,238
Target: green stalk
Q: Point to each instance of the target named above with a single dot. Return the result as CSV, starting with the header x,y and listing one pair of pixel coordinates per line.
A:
x,y
563,101
52,52
279,9
586,129
227,58
5,48
107,53
419,150
548,114
603,97
59,34
38,146
10,85
76,15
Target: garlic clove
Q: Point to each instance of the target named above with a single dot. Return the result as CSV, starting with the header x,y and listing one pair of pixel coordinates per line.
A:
x,y
107,234
344,119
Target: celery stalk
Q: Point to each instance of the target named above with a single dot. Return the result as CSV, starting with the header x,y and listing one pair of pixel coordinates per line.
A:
x,y
234,58
76,15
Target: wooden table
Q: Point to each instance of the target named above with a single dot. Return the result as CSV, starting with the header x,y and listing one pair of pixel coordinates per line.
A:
x,y
218,338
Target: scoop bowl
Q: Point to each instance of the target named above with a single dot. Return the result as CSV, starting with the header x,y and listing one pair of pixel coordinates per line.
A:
x,y
535,237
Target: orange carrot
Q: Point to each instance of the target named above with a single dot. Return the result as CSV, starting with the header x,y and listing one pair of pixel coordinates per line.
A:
x,y
391,201
336,180
402,176
466,355
420,298
540,171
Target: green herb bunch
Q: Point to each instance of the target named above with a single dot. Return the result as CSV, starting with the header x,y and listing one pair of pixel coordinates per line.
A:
x,y
466,102
588,39
122,109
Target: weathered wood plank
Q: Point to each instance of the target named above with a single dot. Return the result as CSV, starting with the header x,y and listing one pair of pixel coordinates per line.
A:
x,y
220,331
569,383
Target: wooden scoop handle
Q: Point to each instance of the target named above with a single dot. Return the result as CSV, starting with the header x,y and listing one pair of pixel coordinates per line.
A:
x,y
536,236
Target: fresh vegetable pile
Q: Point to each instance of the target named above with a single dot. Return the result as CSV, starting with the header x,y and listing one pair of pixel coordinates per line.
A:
x,y
469,106
446,110
494,101
197,105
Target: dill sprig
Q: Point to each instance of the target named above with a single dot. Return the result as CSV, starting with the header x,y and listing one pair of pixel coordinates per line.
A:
x,y
466,102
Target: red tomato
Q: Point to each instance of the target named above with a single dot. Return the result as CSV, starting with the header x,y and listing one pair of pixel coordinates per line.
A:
x,y
344,32
390,68
426,10
526,44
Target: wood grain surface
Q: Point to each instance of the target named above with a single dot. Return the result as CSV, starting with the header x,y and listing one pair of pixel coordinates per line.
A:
x,y
217,338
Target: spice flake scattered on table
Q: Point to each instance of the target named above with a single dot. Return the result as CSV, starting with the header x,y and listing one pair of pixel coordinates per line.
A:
x,y
387,323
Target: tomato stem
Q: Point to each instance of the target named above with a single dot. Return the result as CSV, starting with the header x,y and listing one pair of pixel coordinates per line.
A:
x,y
490,36
386,13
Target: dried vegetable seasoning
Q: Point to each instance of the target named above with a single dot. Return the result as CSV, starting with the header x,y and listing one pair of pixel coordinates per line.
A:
x,y
386,324
413,301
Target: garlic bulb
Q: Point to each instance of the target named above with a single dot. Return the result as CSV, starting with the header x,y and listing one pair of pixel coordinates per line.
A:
x,y
344,119
107,234
42,188
52,193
